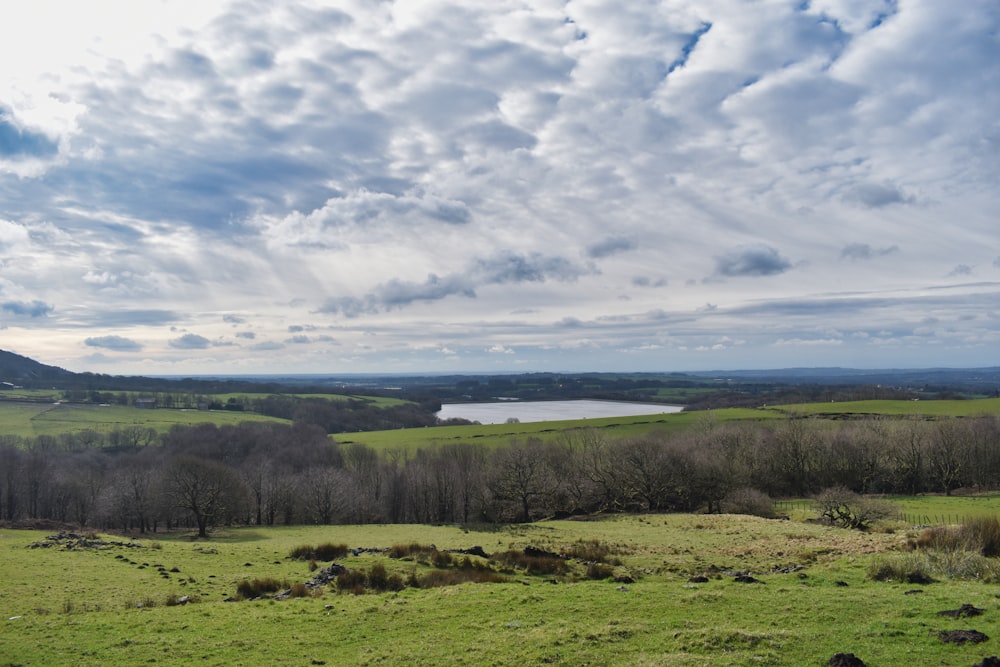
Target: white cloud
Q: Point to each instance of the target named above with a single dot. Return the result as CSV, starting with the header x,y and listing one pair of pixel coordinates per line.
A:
x,y
480,178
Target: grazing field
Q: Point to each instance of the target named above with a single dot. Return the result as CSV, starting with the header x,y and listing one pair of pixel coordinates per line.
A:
x,y
34,419
808,598
966,408
494,435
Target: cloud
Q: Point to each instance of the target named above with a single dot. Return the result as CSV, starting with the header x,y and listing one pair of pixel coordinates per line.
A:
x,y
27,309
610,245
961,270
190,342
751,260
501,268
863,251
456,175
118,343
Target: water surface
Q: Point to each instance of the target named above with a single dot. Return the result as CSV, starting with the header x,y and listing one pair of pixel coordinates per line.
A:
x,y
541,411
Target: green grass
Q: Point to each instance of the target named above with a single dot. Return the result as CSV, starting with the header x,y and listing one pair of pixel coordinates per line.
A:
x,y
34,419
968,408
494,435
59,606
378,401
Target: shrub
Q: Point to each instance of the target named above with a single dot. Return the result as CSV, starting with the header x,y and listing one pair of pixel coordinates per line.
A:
x,y
980,535
842,507
750,501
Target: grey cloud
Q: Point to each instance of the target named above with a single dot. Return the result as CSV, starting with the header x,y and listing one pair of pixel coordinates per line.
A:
x,y
961,270
126,317
502,268
398,293
19,142
860,251
646,281
610,245
267,346
751,260
295,328
510,267
872,195
249,335
996,262
119,343
233,319
190,342
27,309
298,340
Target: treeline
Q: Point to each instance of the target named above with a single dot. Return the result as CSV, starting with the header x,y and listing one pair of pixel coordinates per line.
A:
x,y
267,474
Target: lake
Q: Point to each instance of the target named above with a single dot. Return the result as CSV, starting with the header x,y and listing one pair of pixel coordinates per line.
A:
x,y
542,411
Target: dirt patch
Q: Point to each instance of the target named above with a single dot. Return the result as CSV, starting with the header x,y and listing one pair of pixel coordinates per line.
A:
x,y
961,636
965,611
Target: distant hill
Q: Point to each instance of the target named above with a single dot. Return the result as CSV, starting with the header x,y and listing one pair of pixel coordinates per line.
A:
x,y
19,370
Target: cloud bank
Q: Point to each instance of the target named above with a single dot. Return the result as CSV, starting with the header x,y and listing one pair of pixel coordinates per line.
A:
x,y
228,186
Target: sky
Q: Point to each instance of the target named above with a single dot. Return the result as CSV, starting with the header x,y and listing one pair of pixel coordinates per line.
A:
x,y
383,186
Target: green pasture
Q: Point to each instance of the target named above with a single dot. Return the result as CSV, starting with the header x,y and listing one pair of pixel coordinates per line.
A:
x,y
494,435
34,419
378,401
966,408
80,606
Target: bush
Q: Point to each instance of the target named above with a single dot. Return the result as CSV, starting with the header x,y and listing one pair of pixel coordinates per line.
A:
x,y
842,507
980,535
750,501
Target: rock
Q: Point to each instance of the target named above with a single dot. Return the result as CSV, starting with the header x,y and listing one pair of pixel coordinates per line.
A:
x,y
846,660
991,661
746,579
698,580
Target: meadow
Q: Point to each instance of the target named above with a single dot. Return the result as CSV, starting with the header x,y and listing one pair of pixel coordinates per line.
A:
x,y
30,420
117,604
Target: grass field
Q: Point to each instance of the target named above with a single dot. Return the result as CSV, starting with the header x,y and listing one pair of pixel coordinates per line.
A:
x,y
60,606
34,419
967,408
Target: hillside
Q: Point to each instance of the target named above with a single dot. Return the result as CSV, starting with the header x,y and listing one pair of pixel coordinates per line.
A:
x,y
18,370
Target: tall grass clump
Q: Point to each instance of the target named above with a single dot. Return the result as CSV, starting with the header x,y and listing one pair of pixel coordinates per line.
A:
x,y
593,551
326,552
978,534
249,589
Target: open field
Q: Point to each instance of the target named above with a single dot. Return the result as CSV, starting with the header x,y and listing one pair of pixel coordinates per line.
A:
x,y
34,419
967,408
79,606
493,435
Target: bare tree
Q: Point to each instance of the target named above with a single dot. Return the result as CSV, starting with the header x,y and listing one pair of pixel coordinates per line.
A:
x,y
208,490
